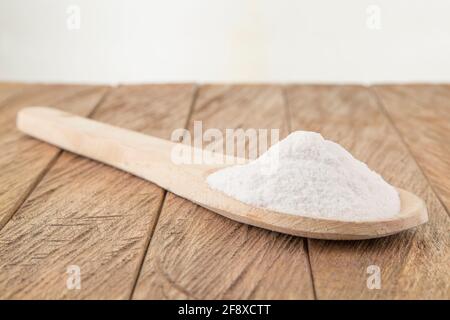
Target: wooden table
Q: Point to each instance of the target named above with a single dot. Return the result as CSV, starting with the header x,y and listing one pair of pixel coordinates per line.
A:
x,y
133,240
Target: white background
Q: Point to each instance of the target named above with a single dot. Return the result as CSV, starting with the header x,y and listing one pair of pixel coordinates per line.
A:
x,y
225,40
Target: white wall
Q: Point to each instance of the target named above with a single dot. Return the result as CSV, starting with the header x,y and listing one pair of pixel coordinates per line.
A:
x,y
225,40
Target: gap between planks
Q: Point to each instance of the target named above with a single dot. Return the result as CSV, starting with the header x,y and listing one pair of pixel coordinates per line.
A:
x,y
158,214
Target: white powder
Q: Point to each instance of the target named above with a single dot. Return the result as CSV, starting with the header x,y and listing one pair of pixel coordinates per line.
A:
x,y
313,177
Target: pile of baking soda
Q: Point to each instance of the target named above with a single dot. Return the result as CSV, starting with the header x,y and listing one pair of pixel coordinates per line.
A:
x,y
307,175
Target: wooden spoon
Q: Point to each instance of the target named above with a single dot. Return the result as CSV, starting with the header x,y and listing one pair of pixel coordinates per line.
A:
x,y
150,158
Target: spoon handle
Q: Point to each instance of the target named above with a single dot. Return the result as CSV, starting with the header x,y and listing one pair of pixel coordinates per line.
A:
x,y
148,157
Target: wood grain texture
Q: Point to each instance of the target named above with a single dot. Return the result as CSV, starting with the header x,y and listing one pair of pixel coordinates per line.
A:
x,y
23,160
87,214
421,113
413,264
197,254
9,90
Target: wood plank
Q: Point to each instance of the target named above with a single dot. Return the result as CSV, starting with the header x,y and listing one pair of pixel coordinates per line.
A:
x,y
195,253
90,215
421,113
413,264
9,90
24,160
